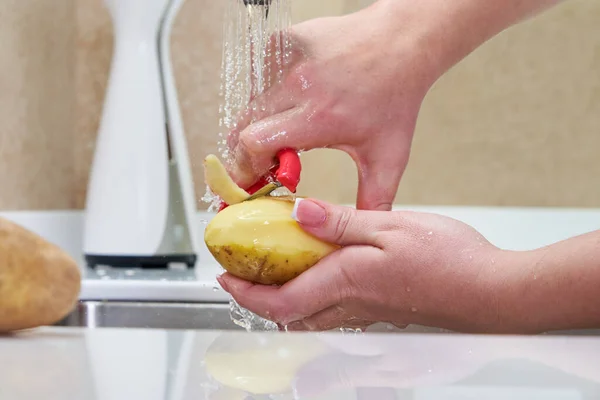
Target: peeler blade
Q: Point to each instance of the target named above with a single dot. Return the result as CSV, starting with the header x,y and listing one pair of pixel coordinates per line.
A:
x,y
264,191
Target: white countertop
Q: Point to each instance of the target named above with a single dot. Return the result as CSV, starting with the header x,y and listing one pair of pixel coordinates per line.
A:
x,y
510,228
112,364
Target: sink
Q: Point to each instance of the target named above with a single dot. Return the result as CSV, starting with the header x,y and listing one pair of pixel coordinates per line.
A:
x,y
169,315
113,314
198,316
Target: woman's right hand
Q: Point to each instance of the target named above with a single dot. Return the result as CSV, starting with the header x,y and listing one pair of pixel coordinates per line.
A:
x,y
354,84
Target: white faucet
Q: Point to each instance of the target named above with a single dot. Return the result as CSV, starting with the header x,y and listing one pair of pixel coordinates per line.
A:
x,y
140,202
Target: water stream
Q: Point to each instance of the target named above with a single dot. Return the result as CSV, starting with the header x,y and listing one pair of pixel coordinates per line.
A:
x,y
256,50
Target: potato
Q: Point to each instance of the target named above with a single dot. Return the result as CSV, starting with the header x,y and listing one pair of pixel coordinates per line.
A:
x,y
260,242
39,283
260,364
220,183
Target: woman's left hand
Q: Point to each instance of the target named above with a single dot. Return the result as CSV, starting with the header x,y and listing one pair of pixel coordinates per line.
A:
x,y
396,267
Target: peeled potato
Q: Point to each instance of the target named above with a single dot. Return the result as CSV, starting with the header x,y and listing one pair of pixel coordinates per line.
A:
x,y
39,283
260,364
260,242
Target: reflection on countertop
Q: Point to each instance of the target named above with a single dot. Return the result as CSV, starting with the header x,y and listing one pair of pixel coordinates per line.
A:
x,y
111,364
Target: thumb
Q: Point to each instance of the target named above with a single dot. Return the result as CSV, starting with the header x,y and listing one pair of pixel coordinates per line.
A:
x,y
341,225
378,183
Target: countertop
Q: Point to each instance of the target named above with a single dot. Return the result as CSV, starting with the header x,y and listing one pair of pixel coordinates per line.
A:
x,y
118,364
507,227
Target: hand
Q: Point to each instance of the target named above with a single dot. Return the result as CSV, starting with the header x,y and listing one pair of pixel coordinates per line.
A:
x,y
396,267
352,85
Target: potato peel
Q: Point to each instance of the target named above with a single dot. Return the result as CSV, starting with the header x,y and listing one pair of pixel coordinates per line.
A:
x,y
220,183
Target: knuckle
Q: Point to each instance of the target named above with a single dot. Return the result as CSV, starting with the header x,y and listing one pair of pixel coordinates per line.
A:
x,y
342,223
346,288
282,312
248,142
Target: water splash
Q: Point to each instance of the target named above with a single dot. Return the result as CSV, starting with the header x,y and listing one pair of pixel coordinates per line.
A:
x,y
248,320
256,50
355,331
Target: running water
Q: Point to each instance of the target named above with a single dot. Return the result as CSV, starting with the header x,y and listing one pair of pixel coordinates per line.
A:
x,y
256,51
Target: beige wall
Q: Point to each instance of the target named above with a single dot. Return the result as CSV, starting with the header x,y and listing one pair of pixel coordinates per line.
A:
x,y
516,123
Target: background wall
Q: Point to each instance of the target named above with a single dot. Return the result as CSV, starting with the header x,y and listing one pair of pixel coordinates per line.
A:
x,y
516,123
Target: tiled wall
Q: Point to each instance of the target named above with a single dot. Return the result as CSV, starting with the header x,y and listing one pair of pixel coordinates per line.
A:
x,y
516,123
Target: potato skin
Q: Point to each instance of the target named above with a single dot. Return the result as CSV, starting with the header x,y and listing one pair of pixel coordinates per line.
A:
x,y
39,282
258,241
261,265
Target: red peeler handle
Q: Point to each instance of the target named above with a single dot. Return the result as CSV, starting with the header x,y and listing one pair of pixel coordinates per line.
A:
x,y
287,172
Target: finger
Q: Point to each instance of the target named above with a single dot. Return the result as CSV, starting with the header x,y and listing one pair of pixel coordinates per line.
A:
x,y
271,103
258,144
320,287
341,225
331,318
275,100
378,182
280,90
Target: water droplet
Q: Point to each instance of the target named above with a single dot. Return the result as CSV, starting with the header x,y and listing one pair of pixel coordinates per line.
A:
x,y
215,289
429,370
414,309
408,289
534,277
130,272
351,330
429,233
470,257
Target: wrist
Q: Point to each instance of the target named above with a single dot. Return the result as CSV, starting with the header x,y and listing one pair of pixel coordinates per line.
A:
x,y
472,298
445,32
553,288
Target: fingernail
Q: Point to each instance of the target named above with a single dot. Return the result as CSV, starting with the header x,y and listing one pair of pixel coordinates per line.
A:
x,y
222,283
308,213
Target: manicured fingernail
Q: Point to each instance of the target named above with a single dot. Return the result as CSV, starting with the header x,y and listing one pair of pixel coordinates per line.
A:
x,y
308,213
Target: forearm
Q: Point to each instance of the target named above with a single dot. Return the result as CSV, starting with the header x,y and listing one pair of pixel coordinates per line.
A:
x,y
447,31
553,288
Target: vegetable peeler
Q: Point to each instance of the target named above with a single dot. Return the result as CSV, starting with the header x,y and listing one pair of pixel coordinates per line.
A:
x,y
285,174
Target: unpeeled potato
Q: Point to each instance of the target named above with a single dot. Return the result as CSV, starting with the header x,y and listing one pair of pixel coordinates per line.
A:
x,y
39,282
258,240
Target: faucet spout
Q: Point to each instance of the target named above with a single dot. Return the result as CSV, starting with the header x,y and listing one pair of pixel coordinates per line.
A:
x,y
254,3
